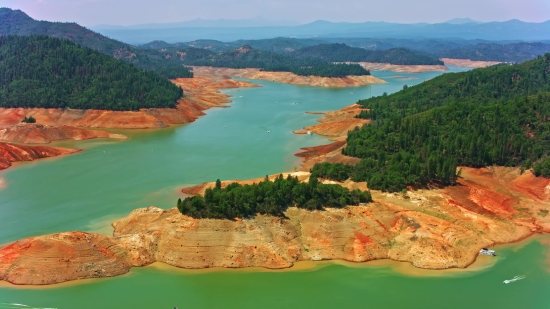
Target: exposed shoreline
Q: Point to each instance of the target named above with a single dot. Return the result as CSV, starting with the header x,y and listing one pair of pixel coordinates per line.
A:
x,y
467,63
290,78
375,66
12,153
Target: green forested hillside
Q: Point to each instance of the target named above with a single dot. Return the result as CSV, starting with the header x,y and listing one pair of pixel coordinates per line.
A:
x,y
15,22
481,86
269,197
247,57
513,52
491,116
39,71
344,53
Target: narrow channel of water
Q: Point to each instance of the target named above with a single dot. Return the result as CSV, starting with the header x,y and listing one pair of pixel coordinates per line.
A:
x,y
89,190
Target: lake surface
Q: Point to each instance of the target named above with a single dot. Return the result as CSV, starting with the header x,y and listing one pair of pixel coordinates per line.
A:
x,y
89,190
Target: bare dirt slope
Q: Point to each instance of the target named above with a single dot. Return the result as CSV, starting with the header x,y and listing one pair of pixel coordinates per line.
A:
x,y
44,134
10,153
336,124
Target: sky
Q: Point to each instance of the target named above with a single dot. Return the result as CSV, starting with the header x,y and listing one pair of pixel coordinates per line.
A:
x,y
131,12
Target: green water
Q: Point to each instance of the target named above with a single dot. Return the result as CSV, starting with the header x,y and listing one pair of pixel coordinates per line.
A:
x,y
89,190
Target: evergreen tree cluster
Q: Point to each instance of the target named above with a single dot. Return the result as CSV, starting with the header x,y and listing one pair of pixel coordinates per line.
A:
x,y
542,168
267,197
39,71
420,135
29,119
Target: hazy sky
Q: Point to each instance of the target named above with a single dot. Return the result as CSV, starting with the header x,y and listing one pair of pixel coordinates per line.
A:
x,y
128,12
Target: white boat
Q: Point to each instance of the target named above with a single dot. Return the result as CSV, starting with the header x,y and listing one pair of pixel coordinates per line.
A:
x,y
516,278
309,132
486,251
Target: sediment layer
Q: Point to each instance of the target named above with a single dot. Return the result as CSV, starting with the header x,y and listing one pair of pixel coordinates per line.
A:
x,y
44,134
10,153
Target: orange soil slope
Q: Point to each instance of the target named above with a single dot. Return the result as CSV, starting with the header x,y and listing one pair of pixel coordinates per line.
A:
x,y
10,153
336,125
41,134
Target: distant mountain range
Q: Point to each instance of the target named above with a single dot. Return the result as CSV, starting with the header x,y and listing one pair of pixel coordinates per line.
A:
x,y
397,51
457,28
207,23
458,21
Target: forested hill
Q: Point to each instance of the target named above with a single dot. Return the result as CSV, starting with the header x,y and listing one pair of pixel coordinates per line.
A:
x,y
344,53
39,71
247,57
514,52
495,84
15,22
418,136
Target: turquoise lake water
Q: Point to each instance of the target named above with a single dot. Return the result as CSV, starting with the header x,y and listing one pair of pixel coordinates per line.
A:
x,y
89,190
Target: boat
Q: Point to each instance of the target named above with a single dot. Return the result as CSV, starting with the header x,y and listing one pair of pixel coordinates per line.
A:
x,y
309,132
516,278
486,251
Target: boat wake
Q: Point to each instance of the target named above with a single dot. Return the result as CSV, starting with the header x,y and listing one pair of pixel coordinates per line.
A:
x,y
19,306
516,278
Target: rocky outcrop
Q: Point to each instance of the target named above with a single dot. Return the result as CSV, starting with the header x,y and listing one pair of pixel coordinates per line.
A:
x,y
434,229
43,134
10,153
201,93
290,78
62,257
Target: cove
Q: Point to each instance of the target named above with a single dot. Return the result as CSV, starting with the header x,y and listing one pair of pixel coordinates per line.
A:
x,y
89,190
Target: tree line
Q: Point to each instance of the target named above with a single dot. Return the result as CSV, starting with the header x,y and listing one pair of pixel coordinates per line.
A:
x,y
39,71
269,197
